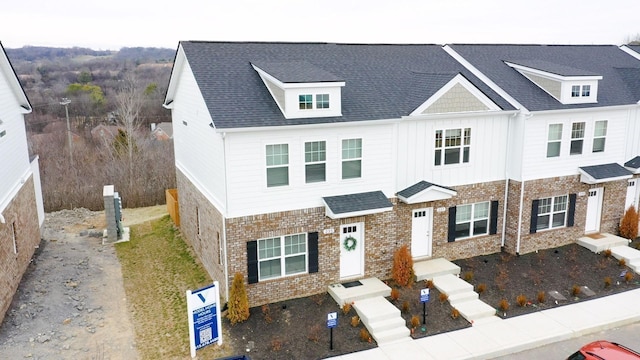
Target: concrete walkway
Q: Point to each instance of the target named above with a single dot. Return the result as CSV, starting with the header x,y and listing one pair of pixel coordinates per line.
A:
x,y
488,339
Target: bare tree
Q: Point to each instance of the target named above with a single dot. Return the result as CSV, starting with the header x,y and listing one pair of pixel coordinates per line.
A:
x,y
129,100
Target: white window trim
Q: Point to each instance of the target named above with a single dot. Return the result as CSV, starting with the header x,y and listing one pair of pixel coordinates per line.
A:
x,y
443,146
304,149
287,165
584,127
553,212
283,257
549,141
474,219
595,137
343,160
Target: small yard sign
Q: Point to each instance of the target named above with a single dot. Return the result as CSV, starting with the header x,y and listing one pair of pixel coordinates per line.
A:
x,y
204,317
332,320
424,295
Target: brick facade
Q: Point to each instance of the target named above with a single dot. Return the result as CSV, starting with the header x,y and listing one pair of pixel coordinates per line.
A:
x,y
21,217
384,232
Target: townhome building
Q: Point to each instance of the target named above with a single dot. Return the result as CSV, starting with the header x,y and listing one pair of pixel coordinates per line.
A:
x,y
21,205
301,165
573,158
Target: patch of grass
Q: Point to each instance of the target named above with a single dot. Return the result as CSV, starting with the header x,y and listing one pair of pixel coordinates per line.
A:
x,y
157,269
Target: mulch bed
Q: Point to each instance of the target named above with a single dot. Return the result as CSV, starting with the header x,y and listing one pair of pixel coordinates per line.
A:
x,y
297,328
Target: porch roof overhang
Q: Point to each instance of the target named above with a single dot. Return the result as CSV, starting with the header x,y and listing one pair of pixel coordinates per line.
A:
x,y
350,205
597,174
633,165
424,191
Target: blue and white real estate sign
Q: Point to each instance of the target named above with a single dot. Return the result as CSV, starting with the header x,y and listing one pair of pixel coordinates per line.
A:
x,y
204,317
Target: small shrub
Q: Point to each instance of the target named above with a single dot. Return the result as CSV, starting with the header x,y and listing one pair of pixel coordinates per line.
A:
x,y
542,297
521,300
629,224
607,281
266,313
405,307
429,284
482,287
402,271
364,335
314,333
346,308
355,321
415,321
468,276
602,264
395,294
628,276
276,344
455,313
503,305
575,290
238,305
607,253
443,297
622,262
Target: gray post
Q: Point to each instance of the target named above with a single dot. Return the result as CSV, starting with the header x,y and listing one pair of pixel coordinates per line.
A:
x,y
110,213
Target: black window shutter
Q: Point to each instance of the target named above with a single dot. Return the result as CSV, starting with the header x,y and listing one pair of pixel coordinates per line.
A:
x,y
571,213
452,225
313,251
252,262
534,217
493,219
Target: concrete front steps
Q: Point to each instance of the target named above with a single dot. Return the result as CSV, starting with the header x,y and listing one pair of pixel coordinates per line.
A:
x,y
463,298
630,255
445,277
619,247
383,320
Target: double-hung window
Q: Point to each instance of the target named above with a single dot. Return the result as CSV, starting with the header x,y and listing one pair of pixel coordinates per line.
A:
x,y
575,91
277,165
351,158
315,156
452,146
554,139
472,220
552,212
586,90
281,256
599,135
577,138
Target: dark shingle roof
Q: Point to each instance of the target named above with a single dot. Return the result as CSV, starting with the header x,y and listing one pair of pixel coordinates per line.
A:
x,y
613,89
382,81
357,202
553,68
418,187
296,71
633,163
605,171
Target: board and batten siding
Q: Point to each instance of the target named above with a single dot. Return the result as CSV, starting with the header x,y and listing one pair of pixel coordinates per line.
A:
x,y
416,151
199,149
247,176
633,134
14,153
536,164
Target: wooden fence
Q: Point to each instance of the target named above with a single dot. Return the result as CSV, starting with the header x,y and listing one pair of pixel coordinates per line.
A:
x,y
172,205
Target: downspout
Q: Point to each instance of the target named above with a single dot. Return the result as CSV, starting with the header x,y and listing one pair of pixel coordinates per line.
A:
x,y
506,186
224,218
524,116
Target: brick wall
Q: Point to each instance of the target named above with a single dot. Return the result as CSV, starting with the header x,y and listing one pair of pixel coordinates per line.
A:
x,y
22,213
204,242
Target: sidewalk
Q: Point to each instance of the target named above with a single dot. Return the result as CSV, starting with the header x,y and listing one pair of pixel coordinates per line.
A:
x,y
497,337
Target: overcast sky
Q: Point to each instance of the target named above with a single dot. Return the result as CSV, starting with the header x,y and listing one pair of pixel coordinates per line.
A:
x,y
112,24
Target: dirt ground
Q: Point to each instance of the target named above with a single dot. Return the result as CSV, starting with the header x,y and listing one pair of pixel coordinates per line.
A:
x,y
71,302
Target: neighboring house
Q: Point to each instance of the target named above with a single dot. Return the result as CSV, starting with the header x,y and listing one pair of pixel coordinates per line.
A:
x,y
104,134
301,165
162,131
21,206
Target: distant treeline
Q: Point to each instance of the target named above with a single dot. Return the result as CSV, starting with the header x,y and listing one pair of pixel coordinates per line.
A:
x,y
35,53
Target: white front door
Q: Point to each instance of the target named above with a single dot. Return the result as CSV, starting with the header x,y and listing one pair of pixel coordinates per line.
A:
x,y
351,250
594,211
632,191
421,232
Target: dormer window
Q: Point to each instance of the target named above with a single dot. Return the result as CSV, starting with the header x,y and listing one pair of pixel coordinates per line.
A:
x,y
305,102
301,89
566,84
